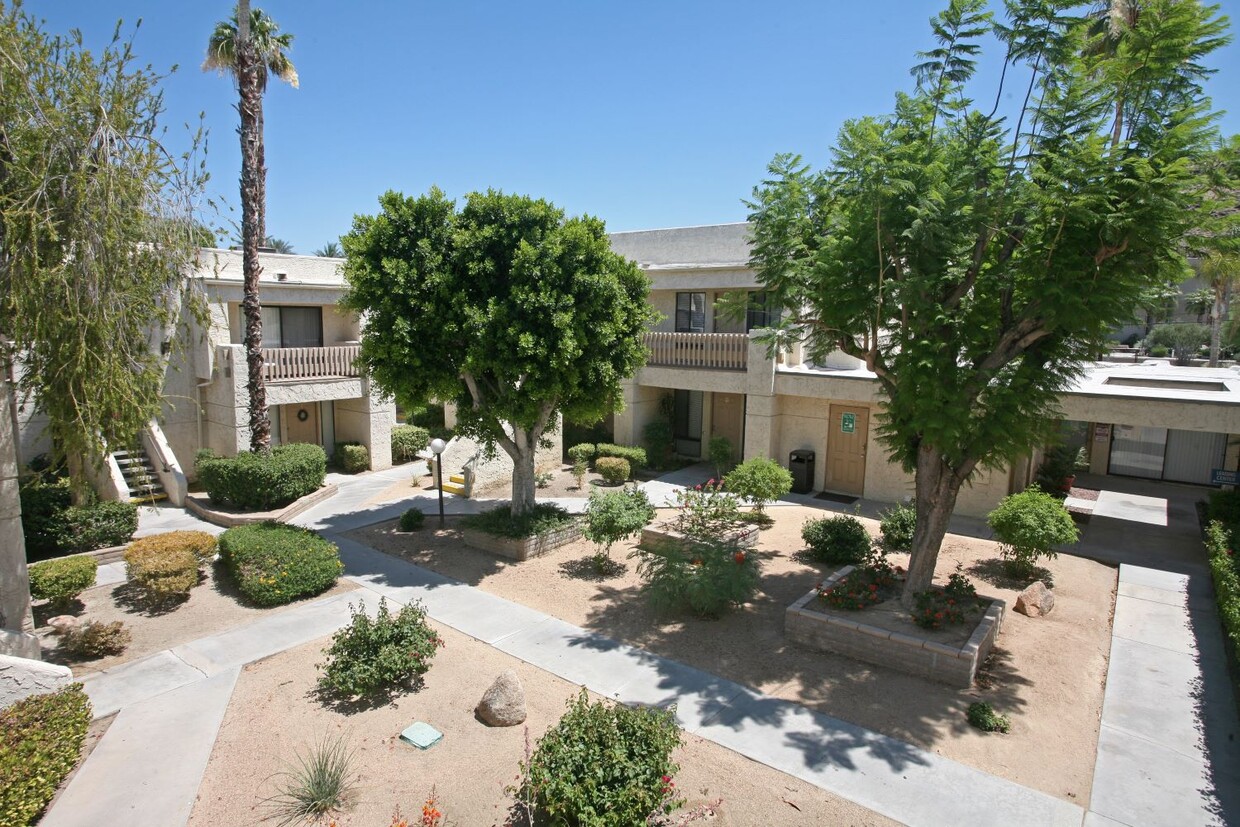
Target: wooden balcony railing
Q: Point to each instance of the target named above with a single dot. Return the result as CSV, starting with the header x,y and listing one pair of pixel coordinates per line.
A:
x,y
719,351
291,363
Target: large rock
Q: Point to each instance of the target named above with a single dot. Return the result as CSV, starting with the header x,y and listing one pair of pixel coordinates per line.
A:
x,y
21,678
1036,600
63,623
504,703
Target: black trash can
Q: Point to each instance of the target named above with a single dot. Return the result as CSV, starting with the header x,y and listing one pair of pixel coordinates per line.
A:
x,y
801,464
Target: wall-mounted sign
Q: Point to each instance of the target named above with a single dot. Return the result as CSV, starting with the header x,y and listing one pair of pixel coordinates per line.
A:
x,y
1220,477
848,423
1102,432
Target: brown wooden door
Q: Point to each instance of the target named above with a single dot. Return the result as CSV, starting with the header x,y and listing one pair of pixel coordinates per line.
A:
x,y
728,419
846,445
301,423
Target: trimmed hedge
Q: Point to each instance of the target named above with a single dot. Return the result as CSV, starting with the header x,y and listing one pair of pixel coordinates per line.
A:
x,y
263,481
352,457
199,543
63,579
1226,577
54,526
582,452
40,742
840,541
407,441
636,456
161,571
614,470
273,563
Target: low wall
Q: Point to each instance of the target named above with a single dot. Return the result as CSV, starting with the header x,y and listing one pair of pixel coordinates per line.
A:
x,y
522,548
745,536
846,633
200,504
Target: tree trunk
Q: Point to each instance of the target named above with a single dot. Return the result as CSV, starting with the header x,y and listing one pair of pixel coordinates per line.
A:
x,y
937,486
523,488
15,614
1216,327
252,226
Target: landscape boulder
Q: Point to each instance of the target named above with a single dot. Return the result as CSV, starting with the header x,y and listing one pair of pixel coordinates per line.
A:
x,y
62,623
1036,600
504,703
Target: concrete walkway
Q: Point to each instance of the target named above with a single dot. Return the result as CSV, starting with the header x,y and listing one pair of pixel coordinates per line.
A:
x,y
1169,746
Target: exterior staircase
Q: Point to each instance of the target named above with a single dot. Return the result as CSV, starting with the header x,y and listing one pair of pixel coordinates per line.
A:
x,y
139,474
455,484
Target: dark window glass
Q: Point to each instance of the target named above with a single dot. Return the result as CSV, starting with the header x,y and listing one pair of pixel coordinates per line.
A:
x,y
690,312
762,311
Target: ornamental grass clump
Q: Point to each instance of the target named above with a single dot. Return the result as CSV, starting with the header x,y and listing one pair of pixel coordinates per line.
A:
x,y
1028,526
41,739
375,657
273,563
60,581
603,765
320,783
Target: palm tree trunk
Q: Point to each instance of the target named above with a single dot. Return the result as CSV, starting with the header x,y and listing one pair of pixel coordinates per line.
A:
x,y
252,226
1216,326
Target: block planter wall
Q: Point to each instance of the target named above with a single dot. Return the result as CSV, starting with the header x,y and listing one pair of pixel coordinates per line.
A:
x,y
745,536
847,633
522,548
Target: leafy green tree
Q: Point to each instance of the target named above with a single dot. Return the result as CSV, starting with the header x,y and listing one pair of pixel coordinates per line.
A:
x,y
977,267
1216,238
613,516
330,250
506,306
96,232
1184,339
248,47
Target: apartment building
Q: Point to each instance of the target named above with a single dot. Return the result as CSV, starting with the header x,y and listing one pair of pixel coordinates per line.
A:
x,y
1153,421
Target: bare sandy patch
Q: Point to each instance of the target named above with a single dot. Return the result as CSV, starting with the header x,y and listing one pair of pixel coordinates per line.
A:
x,y
1047,674
274,713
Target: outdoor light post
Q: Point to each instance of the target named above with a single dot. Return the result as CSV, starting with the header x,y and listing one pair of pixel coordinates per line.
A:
x,y
437,446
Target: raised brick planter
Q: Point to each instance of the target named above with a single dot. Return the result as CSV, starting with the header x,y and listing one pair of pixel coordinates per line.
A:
x,y
523,548
744,536
847,633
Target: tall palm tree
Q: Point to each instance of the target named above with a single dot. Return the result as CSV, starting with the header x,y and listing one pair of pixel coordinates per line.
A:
x,y
330,250
248,47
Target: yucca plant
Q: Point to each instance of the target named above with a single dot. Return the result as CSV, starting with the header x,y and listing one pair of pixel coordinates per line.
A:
x,y
320,783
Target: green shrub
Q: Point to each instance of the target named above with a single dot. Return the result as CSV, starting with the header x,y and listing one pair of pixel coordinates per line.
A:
x,y
100,525
950,605
412,520
160,571
870,583
760,480
1028,526
583,452
1226,578
612,516
351,457
839,541
543,518
1158,351
264,481
1225,506
896,527
660,441
706,511
274,563
720,452
94,640
983,716
635,456
705,576
62,580
1058,464
198,543
543,478
44,502
613,470
41,739
53,525
579,472
408,441
603,765
377,656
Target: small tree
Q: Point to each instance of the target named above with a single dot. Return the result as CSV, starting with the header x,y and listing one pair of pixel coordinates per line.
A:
x,y
721,454
614,516
1028,526
1185,339
759,480
506,306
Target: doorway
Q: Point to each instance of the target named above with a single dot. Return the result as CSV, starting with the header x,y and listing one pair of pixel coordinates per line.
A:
x,y
847,437
728,420
302,423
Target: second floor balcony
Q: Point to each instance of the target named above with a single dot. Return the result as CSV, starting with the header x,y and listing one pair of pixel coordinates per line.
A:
x,y
714,351
285,364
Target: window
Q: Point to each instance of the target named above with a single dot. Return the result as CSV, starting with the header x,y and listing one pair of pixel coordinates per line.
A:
x,y
292,326
687,423
690,312
762,311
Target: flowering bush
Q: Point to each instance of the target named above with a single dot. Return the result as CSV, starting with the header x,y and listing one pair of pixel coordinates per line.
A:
x,y
706,510
949,605
872,582
707,576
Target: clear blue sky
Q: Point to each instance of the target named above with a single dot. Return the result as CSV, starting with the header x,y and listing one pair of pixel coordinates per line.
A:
x,y
647,114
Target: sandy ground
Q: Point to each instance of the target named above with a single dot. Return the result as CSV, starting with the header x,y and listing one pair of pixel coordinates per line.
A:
x,y
273,715
562,484
1047,674
213,606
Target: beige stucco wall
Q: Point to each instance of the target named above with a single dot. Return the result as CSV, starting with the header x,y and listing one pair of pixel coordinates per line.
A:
x,y
1187,415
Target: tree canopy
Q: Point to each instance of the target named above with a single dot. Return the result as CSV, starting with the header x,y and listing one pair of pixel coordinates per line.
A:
x,y
977,262
96,232
505,306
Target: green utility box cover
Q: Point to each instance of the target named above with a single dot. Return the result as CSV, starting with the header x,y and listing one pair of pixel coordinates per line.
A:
x,y
421,735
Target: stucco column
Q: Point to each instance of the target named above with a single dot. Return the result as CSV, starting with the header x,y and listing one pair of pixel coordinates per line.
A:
x,y
761,406
624,421
17,637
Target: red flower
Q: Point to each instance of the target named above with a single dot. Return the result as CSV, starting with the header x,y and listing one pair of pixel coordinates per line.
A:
x,y
938,615
873,587
739,557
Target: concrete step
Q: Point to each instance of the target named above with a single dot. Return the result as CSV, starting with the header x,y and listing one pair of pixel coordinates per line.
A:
x,y
154,497
453,488
459,479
